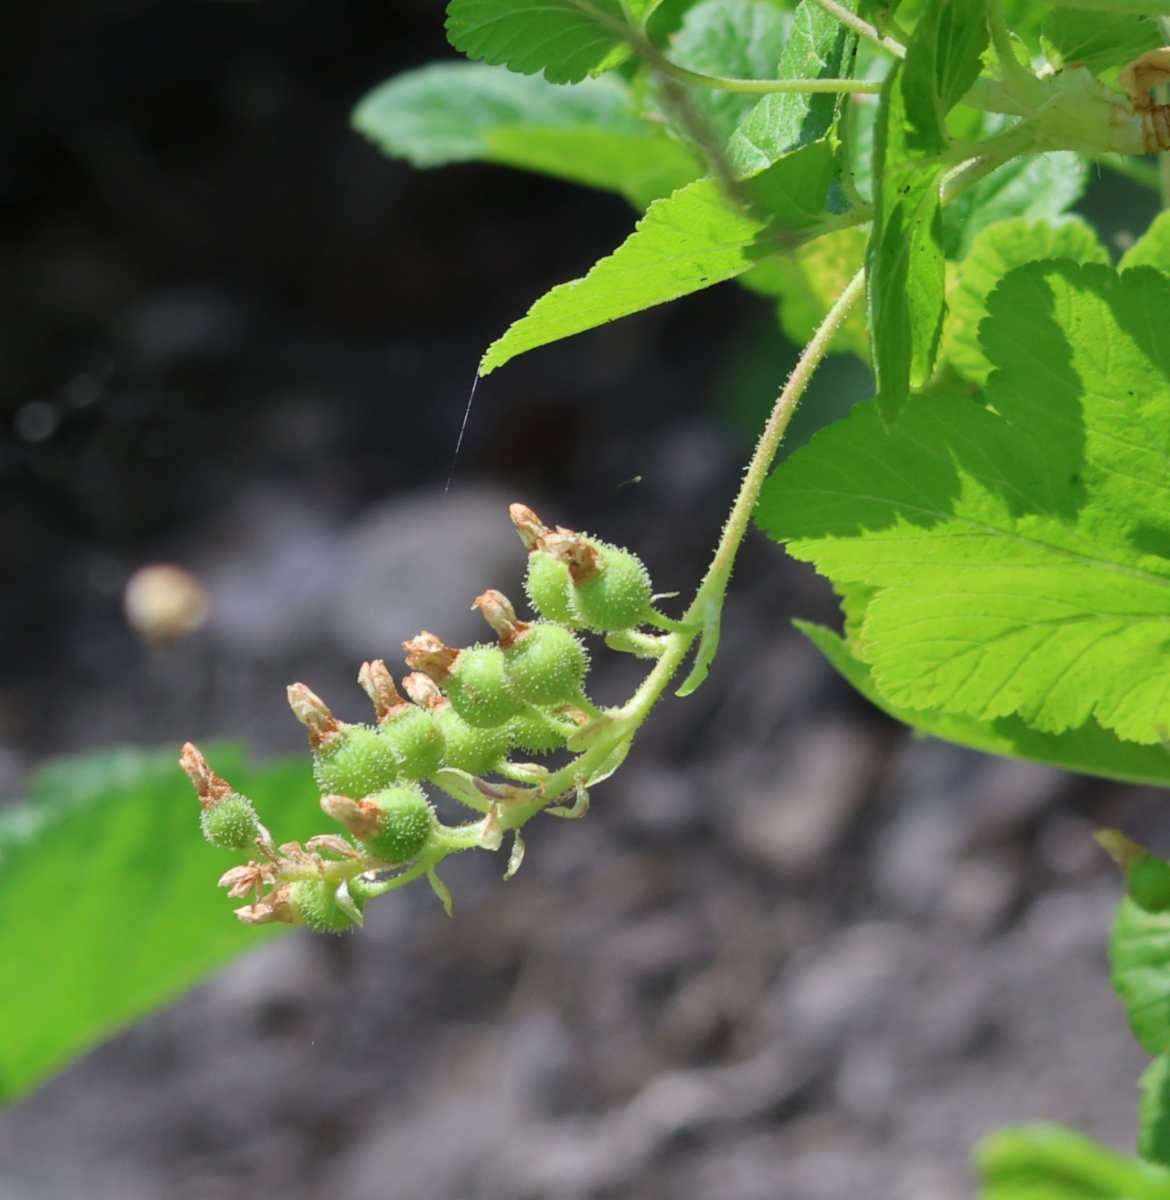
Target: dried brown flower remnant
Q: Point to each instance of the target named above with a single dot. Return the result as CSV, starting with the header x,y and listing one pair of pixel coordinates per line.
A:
x,y
378,684
567,545
313,713
501,616
210,789
427,653
273,908
423,690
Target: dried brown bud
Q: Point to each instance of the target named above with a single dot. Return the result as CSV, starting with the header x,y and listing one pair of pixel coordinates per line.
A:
x,y
423,690
528,525
501,616
427,653
313,713
272,908
210,788
252,877
574,551
378,684
362,819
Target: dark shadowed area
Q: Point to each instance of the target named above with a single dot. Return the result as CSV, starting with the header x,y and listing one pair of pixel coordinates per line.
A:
x,y
792,953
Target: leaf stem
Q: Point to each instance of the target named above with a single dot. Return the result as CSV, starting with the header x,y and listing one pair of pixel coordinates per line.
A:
x,y
1018,79
764,87
864,28
707,605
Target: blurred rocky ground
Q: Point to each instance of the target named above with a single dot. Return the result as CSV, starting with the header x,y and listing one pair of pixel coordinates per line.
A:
x,y
792,953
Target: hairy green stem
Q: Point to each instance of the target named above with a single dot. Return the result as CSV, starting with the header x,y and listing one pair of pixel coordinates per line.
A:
x,y
714,585
864,28
763,87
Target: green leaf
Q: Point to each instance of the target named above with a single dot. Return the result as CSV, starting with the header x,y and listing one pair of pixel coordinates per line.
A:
x,y
1036,186
690,241
1022,551
1154,1131
819,47
809,280
1152,249
1078,38
460,112
943,60
737,39
564,39
1140,950
995,252
1152,8
109,899
1049,1162
1088,749
905,264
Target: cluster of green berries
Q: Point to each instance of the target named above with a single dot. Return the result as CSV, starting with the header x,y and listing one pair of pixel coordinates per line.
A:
x,y
465,711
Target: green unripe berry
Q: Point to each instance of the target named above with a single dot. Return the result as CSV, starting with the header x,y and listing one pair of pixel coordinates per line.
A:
x,y
550,588
537,733
355,762
231,824
617,595
414,740
468,748
314,904
1148,881
405,822
546,665
478,687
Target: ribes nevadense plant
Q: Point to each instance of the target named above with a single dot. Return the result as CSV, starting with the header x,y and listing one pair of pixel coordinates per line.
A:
x,y
996,520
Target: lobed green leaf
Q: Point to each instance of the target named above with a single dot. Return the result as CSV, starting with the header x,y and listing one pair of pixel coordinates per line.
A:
x,y
819,47
566,39
1154,1116
696,238
1152,249
1021,551
1037,186
1151,8
1140,950
587,134
1050,1162
994,253
107,890
1088,749
1074,37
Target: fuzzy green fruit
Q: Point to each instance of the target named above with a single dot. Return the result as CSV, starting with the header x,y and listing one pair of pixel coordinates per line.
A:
x,y
538,734
467,748
550,589
231,824
313,903
405,821
617,595
478,688
415,742
355,762
546,666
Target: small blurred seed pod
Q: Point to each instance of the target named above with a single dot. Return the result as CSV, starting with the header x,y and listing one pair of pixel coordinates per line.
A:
x,y
164,603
